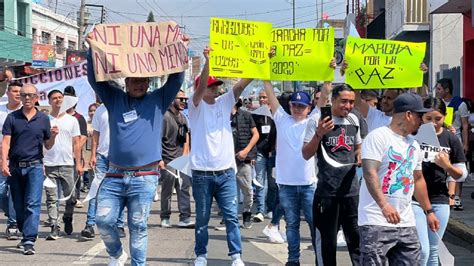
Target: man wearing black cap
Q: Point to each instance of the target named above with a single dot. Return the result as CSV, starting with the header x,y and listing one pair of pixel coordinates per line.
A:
x,y
212,161
391,163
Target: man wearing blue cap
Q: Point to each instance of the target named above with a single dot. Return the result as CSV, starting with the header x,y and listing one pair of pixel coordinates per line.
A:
x,y
336,142
391,161
294,175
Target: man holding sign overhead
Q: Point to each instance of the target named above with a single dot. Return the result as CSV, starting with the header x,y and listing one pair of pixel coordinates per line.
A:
x,y
135,119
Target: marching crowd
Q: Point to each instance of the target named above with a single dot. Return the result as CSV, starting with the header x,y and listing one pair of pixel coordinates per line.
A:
x,y
337,160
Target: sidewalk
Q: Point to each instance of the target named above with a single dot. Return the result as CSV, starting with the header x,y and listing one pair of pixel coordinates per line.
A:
x,y
461,223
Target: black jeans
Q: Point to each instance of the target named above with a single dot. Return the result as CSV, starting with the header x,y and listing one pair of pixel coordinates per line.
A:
x,y
328,215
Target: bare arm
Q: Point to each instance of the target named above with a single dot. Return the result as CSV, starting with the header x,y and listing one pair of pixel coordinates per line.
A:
x,y
361,105
186,145
201,87
95,143
465,133
421,195
272,99
48,144
242,155
370,168
240,87
77,141
326,91
5,149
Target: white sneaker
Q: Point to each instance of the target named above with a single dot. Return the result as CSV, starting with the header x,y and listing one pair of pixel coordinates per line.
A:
x,y
341,240
237,260
270,215
273,234
200,261
120,261
258,218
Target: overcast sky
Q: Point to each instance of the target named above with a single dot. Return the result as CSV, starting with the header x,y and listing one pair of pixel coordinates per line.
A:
x,y
195,14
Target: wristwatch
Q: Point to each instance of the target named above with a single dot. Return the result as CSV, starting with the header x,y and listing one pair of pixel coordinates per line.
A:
x,y
429,211
452,196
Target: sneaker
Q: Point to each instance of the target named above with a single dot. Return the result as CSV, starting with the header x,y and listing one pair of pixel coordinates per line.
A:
x,y
165,223
68,225
55,234
28,249
12,232
292,263
47,223
237,261
258,218
341,240
19,245
273,234
88,232
121,232
458,204
79,204
200,261
186,223
220,227
270,215
120,261
246,219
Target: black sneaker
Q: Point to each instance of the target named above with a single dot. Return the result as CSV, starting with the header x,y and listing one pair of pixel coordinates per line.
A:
x,y
88,232
54,233
458,204
247,220
68,225
292,263
121,232
29,249
12,232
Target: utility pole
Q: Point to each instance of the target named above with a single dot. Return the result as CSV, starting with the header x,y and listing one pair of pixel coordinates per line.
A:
x,y
322,11
81,24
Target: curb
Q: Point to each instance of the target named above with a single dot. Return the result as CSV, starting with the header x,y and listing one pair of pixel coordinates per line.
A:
x,y
461,230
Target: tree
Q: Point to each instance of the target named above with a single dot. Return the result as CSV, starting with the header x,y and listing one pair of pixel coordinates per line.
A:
x,y
151,17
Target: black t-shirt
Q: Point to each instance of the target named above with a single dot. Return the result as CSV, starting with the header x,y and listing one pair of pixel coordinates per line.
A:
x,y
340,145
435,176
242,124
82,123
267,134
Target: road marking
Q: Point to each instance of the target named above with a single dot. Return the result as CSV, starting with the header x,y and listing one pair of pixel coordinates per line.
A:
x,y
90,254
277,251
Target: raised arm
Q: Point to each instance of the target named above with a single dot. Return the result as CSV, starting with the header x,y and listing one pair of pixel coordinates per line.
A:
x,y
201,87
272,99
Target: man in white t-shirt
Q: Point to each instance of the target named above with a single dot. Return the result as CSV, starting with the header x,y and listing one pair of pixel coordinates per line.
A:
x,y
13,104
295,176
212,161
444,91
59,164
391,161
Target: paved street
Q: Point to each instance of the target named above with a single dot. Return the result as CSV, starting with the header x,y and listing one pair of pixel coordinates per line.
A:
x,y
174,246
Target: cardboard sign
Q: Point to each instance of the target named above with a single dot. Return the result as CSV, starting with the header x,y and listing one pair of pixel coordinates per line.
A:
x,y
240,48
138,50
383,64
302,54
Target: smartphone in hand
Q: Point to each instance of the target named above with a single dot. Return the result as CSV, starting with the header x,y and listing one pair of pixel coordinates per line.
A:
x,y
325,112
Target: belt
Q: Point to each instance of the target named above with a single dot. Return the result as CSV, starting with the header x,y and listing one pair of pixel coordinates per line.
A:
x,y
209,173
137,173
28,163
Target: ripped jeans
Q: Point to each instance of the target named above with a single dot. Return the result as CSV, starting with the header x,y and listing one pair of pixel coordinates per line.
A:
x,y
222,186
134,192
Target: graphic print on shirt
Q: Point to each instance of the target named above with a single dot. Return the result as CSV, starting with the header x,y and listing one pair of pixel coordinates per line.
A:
x,y
341,141
403,168
429,152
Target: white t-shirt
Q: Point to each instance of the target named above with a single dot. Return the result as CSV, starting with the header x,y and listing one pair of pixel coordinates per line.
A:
x,y
376,118
291,168
462,112
62,152
399,157
4,111
212,145
100,123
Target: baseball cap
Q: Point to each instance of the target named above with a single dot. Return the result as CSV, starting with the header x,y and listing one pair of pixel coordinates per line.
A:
x,y
210,81
300,97
409,102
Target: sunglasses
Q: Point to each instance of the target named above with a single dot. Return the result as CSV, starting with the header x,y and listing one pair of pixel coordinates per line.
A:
x,y
25,95
182,99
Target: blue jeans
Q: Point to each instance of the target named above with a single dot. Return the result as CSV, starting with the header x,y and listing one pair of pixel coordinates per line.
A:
x,y
101,167
26,186
223,187
293,199
428,238
263,169
6,201
135,192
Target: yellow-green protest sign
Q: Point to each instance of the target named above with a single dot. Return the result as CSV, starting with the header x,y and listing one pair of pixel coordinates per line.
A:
x,y
240,48
448,120
378,64
302,54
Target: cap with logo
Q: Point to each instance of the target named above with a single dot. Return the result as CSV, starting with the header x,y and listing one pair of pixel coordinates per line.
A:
x,y
300,97
210,81
409,102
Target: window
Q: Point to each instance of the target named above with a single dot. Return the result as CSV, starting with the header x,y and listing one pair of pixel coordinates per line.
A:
x,y
45,37
21,18
34,37
59,45
71,45
2,16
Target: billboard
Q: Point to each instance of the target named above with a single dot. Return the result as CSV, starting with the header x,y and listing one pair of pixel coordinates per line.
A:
x,y
44,56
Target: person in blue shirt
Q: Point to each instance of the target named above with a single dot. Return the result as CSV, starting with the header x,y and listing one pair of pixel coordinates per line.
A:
x,y
135,121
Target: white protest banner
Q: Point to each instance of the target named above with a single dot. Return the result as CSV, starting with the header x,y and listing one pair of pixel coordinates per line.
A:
x,y
57,79
138,50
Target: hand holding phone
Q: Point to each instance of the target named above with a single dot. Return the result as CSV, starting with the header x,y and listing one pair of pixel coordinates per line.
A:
x,y
326,112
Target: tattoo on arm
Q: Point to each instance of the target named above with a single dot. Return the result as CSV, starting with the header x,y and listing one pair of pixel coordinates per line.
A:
x,y
370,168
